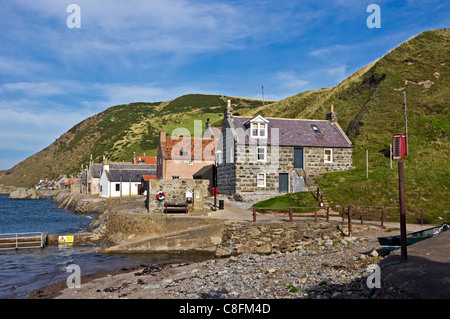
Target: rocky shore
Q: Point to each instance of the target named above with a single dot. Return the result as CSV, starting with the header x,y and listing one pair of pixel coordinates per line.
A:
x,y
321,269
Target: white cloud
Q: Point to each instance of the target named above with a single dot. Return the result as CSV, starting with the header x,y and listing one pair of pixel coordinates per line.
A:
x,y
290,80
337,72
19,67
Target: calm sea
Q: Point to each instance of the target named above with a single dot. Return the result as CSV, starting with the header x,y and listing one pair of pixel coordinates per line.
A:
x,y
25,270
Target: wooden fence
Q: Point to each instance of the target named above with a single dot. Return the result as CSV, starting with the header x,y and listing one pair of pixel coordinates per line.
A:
x,y
353,213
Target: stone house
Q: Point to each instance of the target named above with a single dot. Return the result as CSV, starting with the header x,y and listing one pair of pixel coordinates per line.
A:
x,y
268,156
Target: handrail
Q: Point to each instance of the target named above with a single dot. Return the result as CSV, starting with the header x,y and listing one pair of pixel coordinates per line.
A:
x,y
319,195
23,240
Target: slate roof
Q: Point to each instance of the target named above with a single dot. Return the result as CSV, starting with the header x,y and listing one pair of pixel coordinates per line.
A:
x,y
294,132
119,165
96,170
134,174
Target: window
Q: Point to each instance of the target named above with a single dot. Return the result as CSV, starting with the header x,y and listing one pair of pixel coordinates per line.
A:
x,y
258,130
184,153
315,129
261,180
117,187
261,156
175,177
328,156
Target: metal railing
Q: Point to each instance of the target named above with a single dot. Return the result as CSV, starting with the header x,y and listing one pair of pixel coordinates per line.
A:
x,y
23,240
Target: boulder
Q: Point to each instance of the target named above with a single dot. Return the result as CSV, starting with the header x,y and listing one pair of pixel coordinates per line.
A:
x,y
23,193
222,252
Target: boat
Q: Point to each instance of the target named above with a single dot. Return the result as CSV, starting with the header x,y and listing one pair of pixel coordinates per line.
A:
x,y
394,242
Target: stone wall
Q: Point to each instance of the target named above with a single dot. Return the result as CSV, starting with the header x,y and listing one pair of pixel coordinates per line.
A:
x,y
315,160
240,177
264,237
226,171
175,190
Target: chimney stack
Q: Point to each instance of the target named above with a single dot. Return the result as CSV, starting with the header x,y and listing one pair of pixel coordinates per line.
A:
x,y
332,115
229,110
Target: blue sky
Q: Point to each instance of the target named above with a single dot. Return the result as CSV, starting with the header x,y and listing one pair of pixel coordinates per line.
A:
x,y
52,76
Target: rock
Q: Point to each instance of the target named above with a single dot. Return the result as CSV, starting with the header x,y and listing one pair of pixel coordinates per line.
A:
x,y
265,248
328,242
23,193
167,282
362,257
373,253
222,252
20,193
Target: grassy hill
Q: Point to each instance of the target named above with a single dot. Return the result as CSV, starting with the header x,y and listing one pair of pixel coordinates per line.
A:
x,y
118,132
369,105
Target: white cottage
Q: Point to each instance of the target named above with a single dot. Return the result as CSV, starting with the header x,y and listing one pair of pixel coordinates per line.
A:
x,y
123,179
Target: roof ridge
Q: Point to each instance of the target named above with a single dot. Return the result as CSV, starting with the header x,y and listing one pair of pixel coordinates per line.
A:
x,y
279,118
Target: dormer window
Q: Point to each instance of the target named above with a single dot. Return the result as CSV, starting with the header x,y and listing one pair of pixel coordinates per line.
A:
x,y
258,127
259,130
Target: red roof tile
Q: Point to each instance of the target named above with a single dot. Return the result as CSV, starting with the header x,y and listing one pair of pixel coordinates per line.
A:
x,y
190,148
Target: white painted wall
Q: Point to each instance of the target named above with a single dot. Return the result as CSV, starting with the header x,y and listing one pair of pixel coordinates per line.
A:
x,y
104,190
125,189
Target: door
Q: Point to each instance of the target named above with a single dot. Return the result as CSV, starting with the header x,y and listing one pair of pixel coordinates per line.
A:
x,y
283,183
298,158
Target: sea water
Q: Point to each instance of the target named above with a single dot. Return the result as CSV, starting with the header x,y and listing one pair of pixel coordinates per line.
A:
x,y
24,270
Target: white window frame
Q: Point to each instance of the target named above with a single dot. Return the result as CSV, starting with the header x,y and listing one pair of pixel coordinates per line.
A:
x,y
258,130
325,155
264,180
265,153
258,121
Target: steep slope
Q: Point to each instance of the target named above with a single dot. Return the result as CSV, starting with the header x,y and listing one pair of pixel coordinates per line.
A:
x,y
117,133
369,105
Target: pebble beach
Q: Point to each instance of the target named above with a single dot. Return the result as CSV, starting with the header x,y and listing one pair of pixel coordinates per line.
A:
x,y
321,269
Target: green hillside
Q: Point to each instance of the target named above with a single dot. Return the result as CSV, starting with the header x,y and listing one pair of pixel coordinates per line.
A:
x,y
369,105
118,132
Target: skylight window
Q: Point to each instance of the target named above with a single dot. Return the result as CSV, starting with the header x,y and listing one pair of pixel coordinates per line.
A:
x,y
315,129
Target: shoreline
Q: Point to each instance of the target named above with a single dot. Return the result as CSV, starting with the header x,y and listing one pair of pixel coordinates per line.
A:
x,y
329,267
323,269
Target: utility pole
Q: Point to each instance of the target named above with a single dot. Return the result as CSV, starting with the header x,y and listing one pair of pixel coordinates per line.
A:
x,y
401,188
262,86
390,154
120,199
406,123
367,164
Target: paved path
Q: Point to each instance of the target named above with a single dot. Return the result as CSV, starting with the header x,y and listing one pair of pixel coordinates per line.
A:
x,y
424,275
233,212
